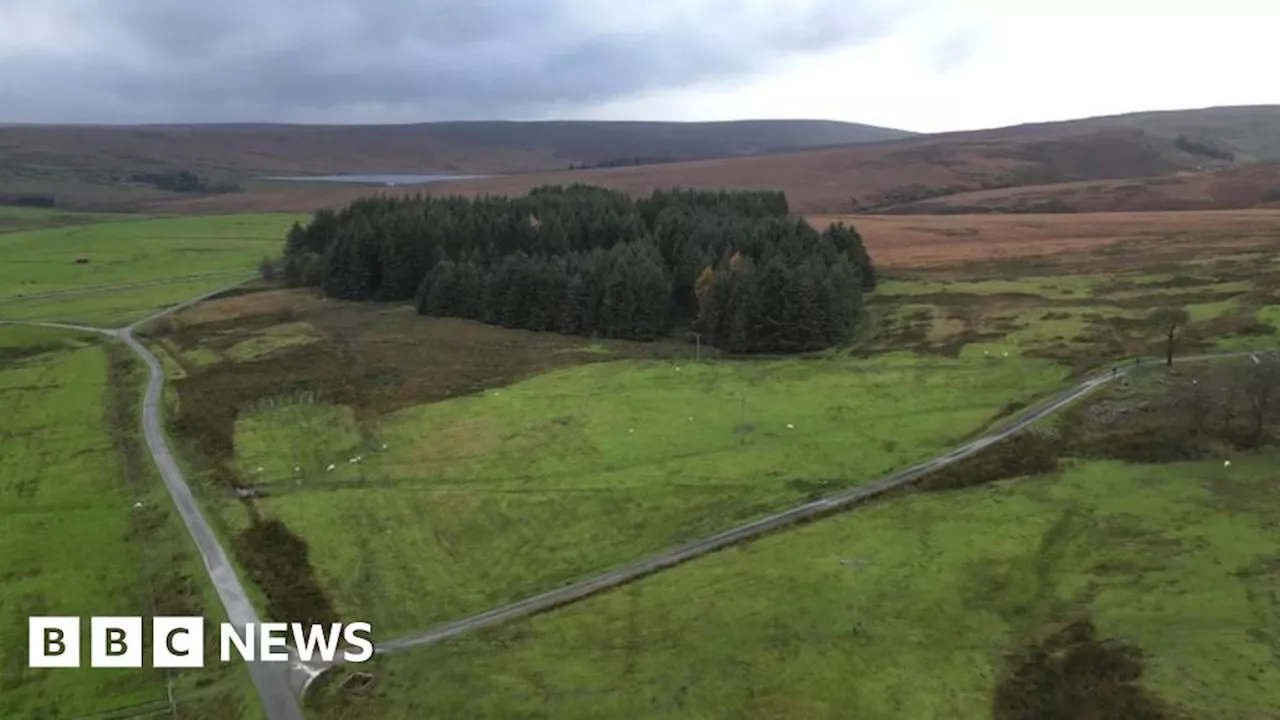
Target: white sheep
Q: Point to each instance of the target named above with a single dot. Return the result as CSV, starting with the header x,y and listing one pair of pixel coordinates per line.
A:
x,y
790,426
1226,463
331,467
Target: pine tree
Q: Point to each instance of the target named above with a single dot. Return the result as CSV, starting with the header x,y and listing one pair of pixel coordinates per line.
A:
x,y
744,300
770,311
442,298
580,259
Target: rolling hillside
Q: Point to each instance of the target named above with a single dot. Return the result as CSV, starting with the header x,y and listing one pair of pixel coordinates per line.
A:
x,y
845,179
461,147
1193,159
1247,186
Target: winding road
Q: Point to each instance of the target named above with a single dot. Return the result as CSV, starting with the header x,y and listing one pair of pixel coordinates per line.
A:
x,y
281,685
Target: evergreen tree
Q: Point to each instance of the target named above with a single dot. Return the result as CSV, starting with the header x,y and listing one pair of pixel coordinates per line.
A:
x,y
586,260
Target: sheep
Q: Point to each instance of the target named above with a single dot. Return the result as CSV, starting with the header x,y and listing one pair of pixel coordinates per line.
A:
x,y
331,467
1226,463
790,426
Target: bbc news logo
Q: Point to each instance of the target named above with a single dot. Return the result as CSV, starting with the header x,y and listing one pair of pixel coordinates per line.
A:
x,y
179,642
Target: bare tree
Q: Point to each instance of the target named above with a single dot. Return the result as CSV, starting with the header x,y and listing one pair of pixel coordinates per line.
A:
x,y
1170,321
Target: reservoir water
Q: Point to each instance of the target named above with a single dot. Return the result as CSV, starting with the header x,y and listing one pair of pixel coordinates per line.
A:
x,y
375,179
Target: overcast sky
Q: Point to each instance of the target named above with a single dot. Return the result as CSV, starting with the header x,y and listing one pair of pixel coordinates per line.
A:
x,y
923,65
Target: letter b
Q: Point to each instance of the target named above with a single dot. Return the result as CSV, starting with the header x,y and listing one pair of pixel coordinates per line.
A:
x,y
115,642
53,642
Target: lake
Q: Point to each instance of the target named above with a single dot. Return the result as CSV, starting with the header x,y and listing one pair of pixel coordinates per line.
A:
x,y
374,179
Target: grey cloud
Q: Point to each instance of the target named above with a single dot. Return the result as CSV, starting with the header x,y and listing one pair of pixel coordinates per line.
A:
x,y
955,49
330,60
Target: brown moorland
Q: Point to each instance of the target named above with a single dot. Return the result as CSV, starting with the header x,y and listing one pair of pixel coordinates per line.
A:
x,y
1105,241
75,163
842,179
1247,186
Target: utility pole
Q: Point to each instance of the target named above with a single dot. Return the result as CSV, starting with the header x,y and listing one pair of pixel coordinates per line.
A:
x,y
697,337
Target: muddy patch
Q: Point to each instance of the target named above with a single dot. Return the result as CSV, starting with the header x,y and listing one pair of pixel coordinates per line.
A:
x,y
1072,674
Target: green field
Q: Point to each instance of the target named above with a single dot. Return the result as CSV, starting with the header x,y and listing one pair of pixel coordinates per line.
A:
x,y
75,542
902,610
485,499
112,308
109,273
21,218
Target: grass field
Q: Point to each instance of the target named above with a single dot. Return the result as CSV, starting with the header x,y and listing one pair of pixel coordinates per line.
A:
x,y
486,499
21,218
475,487
76,543
111,272
112,308
907,610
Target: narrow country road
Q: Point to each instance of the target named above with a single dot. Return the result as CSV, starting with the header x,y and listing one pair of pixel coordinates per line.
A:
x,y
279,685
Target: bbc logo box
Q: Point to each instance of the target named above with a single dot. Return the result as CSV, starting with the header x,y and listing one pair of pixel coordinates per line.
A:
x,y
115,642
178,642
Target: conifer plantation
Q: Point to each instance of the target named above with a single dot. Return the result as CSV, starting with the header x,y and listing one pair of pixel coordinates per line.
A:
x,y
734,266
